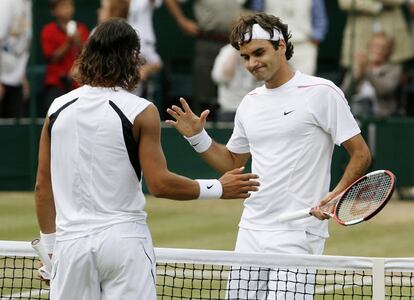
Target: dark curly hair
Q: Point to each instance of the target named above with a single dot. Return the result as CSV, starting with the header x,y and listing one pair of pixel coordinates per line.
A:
x,y
268,23
111,57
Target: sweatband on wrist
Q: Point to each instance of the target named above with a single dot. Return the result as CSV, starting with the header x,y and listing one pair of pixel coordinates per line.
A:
x,y
200,142
210,188
48,241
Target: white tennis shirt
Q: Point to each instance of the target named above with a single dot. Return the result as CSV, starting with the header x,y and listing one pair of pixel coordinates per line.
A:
x,y
290,132
96,176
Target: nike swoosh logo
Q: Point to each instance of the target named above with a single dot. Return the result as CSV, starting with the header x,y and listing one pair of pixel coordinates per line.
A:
x,y
210,186
288,112
195,144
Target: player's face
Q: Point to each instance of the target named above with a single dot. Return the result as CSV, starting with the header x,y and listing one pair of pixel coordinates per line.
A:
x,y
262,60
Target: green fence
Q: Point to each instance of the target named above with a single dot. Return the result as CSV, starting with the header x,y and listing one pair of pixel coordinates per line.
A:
x,y
391,142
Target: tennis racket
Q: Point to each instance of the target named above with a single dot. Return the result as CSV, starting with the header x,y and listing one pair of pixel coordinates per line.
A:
x,y
361,201
40,250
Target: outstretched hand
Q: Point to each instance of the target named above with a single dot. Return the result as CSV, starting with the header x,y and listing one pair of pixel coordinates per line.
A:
x,y
237,184
186,122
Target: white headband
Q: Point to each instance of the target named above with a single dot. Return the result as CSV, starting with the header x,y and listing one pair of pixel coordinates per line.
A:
x,y
258,33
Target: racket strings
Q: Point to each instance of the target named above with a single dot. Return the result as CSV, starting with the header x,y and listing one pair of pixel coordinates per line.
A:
x,y
364,198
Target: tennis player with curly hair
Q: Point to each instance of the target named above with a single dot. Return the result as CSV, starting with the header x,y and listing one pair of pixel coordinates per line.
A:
x,y
96,145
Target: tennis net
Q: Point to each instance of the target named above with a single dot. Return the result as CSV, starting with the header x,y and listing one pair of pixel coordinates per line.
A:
x,y
208,274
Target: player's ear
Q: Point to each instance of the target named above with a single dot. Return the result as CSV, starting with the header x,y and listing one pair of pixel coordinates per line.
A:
x,y
282,45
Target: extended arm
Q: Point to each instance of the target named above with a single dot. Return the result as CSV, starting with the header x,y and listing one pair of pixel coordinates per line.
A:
x,y
163,183
190,125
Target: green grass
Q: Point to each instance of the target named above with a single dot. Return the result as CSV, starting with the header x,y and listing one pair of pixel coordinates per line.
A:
x,y
213,225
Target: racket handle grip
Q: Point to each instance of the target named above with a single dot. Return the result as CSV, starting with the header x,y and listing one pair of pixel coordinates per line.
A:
x,y
297,215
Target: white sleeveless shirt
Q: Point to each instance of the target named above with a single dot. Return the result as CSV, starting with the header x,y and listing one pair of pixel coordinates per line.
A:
x,y
96,176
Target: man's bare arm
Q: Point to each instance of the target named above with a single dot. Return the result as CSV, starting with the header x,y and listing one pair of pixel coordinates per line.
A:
x,y
360,160
45,205
188,26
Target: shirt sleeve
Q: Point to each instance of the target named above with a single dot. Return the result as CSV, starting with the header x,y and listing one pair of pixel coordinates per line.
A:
x,y
238,142
332,113
319,20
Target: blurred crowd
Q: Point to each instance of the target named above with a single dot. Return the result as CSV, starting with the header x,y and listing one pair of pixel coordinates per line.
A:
x,y
376,60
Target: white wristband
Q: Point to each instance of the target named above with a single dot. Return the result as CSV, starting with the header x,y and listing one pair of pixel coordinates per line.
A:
x,y
48,241
200,142
210,188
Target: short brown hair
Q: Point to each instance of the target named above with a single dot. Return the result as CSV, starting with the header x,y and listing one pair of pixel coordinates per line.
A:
x,y
111,57
268,23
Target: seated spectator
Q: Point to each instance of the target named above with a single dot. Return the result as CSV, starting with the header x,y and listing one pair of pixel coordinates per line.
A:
x,y
233,81
15,39
61,42
374,82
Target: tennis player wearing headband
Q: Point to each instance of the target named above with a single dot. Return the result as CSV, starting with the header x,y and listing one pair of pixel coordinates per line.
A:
x,y
289,127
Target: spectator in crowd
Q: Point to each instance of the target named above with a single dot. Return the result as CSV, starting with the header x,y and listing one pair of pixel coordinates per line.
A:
x,y
374,81
366,17
15,39
61,42
308,24
233,81
140,17
211,29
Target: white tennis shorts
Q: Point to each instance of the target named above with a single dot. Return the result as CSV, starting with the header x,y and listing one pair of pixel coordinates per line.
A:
x,y
274,284
279,241
116,263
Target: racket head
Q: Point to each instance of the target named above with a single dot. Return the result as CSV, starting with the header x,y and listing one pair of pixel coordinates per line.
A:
x,y
363,199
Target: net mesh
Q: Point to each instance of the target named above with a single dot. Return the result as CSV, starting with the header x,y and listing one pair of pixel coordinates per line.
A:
x,y
365,197
19,280
175,281
204,274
